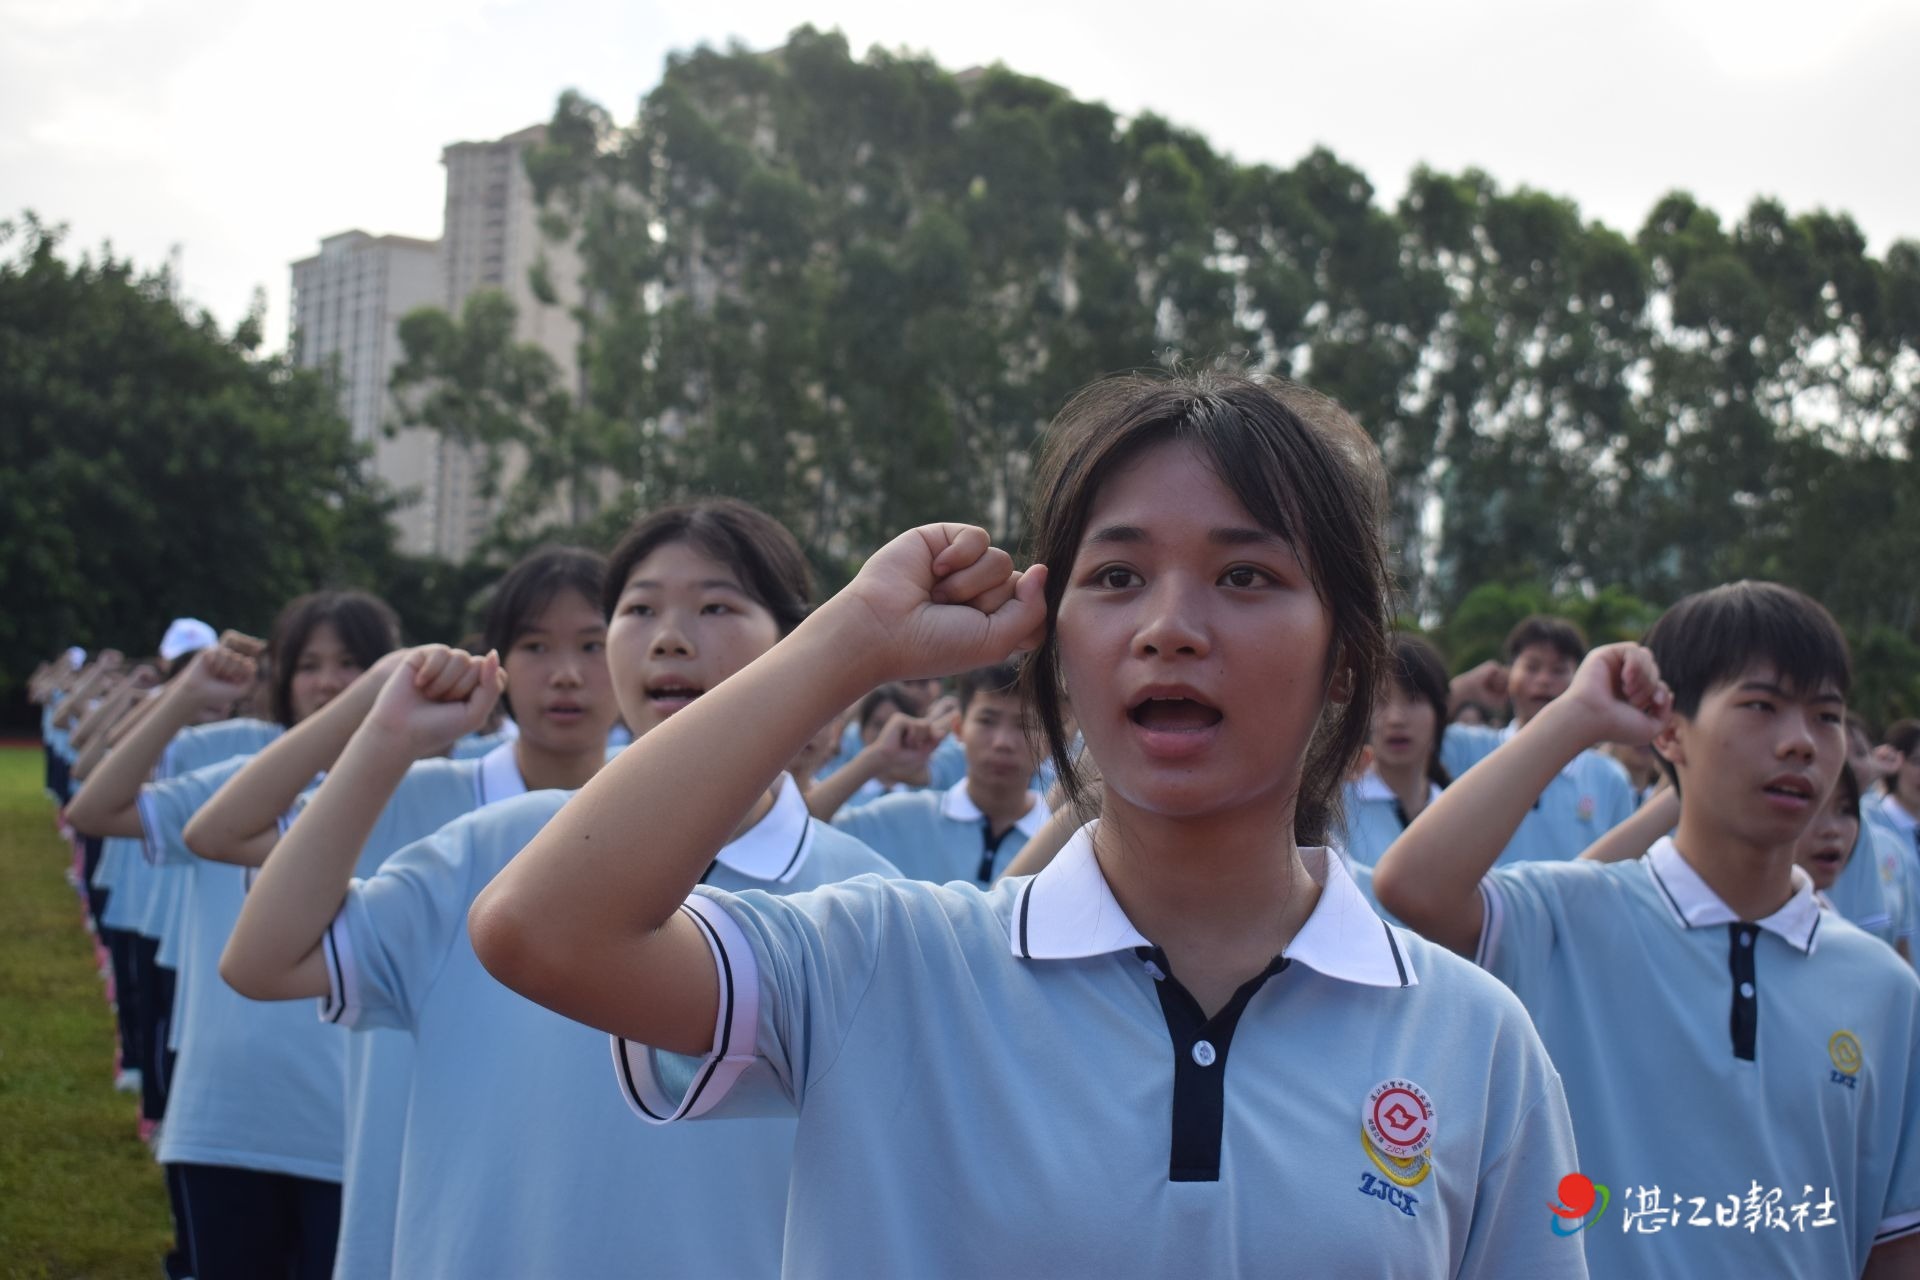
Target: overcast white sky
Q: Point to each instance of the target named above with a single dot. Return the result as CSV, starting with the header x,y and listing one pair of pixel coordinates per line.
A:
x,y
242,131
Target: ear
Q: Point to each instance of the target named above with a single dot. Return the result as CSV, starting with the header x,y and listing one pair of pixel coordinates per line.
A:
x,y
1340,689
1670,742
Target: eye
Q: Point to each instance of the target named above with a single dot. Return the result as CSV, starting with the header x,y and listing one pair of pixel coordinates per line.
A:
x,y
1758,704
533,646
1116,577
716,609
594,646
1245,576
640,610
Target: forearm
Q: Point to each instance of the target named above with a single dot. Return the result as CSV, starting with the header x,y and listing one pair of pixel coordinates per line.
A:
x,y
95,723
1632,838
1430,876
76,701
830,794
239,823
107,803
104,737
274,950
581,901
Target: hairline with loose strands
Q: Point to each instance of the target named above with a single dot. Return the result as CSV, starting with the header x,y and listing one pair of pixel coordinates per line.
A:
x,y
1303,469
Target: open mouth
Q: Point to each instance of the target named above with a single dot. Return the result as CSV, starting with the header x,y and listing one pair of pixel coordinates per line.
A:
x,y
668,694
565,712
1174,713
1792,788
1829,857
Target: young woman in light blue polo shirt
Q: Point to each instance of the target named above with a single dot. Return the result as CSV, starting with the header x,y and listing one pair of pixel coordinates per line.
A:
x,y
545,616
1405,774
254,1124
516,1173
1187,1046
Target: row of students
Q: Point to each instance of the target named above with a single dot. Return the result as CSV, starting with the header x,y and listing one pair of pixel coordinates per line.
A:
x,y
1211,586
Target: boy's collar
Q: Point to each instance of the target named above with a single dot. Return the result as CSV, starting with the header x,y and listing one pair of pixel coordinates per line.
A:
x,y
1695,905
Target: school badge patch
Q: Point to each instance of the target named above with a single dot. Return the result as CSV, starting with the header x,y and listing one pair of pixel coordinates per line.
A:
x,y
1396,1131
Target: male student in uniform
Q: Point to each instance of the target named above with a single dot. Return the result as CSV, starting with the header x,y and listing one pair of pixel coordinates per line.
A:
x,y
1586,799
1739,1064
975,827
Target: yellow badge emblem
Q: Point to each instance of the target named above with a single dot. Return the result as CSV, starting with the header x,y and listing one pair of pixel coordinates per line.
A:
x,y
1845,1052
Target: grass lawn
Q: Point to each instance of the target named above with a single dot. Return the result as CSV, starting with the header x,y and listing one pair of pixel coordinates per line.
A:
x,y
80,1194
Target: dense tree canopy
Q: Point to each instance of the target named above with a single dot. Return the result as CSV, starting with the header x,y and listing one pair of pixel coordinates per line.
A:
x,y
152,466
854,290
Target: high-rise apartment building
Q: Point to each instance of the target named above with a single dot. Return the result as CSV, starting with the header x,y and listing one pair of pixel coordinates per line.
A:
x,y
347,304
349,298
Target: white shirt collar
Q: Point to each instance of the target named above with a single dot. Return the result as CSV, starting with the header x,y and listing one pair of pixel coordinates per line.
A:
x,y
1373,787
1068,912
777,846
1695,905
498,777
959,806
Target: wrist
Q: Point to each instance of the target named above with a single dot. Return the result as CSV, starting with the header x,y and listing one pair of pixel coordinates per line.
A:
x,y
838,644
1561,730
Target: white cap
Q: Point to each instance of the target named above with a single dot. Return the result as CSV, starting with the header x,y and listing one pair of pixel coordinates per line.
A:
x,y
76,657
184,635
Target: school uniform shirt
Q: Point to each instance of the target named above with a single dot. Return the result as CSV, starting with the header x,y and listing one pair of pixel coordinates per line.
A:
x,y
1746,1090
258,1085
122,873
1859,894
379,1061
948,765
1897,870
516,1160
474,746
1013,1082
1372,817
1585,800
1893,816
941,835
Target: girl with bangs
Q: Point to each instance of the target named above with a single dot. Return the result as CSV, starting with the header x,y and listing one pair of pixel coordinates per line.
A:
x,y
545,617
515,1176
1404,774
1050,1055
253,1121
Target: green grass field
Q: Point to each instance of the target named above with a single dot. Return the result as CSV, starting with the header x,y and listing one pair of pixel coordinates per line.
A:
x,y
80,1194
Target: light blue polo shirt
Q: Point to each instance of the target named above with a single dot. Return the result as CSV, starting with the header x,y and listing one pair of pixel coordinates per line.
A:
x,y
258,1086
941,835
518,1160
1010,1082
1859,894
1585,800
1880,846
1711,1063
379,1071
1371,818
122,873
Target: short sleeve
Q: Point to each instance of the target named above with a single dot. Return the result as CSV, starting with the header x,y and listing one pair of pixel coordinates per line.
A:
x,y
165,808
1507,1237
393,933
1518,930
1463,746
1900,1214
793,971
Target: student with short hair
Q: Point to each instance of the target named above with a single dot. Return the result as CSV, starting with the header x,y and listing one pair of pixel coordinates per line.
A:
x,y
1406,773
1047,1060
547,620
1899,809
1587,798
511,1166
253,1131
976,827
1724,1041
1829,842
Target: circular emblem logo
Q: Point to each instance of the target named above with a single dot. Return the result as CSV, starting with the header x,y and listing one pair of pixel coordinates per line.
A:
x,y
1845,1052
1398,1118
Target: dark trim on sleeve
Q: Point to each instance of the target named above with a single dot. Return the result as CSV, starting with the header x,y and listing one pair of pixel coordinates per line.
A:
x,y
1026,896
714,1055
332,950
1899,1234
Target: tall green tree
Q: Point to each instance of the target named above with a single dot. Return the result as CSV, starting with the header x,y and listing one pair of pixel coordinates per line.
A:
x,y
152,465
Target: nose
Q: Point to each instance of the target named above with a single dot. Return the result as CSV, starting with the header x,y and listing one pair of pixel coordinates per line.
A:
x,y
670,640
1797,736
1172,622
566,672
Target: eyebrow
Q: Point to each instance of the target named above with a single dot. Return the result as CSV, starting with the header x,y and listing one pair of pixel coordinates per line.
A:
x,y
1225,537
1779,691
710,584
